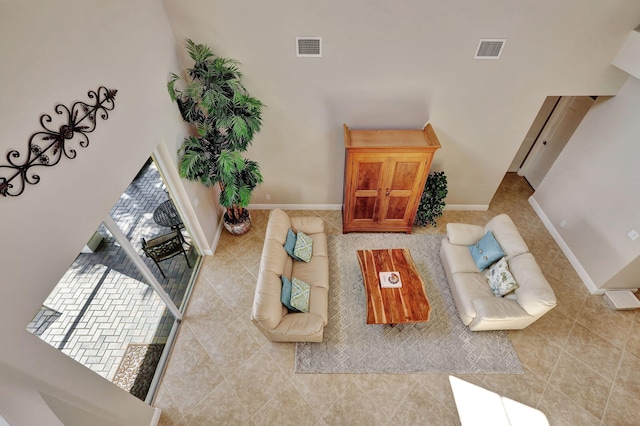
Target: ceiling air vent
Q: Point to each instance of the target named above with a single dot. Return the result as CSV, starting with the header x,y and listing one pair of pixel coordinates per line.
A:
x,y
490,48
310,47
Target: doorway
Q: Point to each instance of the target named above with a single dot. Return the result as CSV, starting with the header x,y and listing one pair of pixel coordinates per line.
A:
x,y
552,128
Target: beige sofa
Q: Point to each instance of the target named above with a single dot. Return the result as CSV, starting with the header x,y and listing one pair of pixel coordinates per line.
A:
x,y
268,313
477,306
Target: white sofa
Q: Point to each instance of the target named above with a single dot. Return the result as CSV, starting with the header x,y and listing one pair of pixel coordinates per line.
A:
x,y
477,306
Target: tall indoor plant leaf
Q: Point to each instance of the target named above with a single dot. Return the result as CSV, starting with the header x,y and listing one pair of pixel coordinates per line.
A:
x,y
225,119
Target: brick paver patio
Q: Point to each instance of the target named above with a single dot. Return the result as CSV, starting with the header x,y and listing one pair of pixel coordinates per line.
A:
x,y
102,303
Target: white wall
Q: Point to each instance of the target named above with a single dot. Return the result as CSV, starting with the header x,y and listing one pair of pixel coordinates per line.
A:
x,y
401,64
628,58
55,52
593,186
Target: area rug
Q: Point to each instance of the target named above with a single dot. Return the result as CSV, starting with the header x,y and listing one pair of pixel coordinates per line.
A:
x,y
442,345
137,368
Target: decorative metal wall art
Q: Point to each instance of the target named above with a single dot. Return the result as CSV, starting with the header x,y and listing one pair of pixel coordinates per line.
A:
x,y
46,147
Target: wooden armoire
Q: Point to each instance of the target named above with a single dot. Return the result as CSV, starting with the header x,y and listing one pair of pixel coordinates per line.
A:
x,y
385,173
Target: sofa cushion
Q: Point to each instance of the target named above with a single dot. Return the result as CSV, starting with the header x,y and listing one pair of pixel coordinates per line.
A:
x,y
486,251
315,273
274,258
535,295
318,302
469,287
500,279
458,258
507,235
319,244
304,247
300,295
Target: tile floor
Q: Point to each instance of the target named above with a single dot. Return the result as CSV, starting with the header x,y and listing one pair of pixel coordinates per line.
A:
x,y
580,359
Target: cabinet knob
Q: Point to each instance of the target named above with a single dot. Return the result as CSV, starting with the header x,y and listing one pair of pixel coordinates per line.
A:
x,y
388,192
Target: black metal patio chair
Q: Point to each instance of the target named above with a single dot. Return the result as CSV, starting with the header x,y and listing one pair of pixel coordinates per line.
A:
x,y
165,247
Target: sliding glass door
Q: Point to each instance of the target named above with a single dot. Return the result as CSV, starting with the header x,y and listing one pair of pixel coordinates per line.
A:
x,y
116,308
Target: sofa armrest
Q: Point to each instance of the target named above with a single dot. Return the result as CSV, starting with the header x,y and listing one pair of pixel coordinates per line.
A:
x,y
299,324
462,234
497,313
308,224
535,294
498,309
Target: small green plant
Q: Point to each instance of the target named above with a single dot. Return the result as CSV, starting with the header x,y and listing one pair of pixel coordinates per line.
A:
x,y
432,200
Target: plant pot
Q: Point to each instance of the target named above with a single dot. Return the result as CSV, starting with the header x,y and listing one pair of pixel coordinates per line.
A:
x,y
240,227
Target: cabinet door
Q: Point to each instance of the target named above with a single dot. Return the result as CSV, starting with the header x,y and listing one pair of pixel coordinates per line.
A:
x,y
402,189
367,177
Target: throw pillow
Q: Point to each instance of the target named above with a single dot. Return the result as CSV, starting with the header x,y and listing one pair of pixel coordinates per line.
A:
x,y
486,251
304,247
300,295
285,294
290,244
500,278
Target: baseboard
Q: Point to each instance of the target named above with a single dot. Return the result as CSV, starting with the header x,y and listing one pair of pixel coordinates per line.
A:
x,y
216,238
582,273
295,206
157,412
479,207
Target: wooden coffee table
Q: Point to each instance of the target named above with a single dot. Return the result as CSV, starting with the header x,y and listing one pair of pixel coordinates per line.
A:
x,y
393,305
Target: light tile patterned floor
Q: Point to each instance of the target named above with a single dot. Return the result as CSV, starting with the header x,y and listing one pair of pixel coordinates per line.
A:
x,y
102,303
581,359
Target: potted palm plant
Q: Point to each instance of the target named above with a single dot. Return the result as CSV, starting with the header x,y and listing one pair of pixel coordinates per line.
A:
x,y
225,119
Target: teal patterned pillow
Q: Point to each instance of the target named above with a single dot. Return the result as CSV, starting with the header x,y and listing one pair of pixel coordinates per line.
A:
x,y
304,247
300,295
500,278
285,294
290,244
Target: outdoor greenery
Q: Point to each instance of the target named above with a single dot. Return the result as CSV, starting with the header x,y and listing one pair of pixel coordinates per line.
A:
x,y
432,200
225,119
